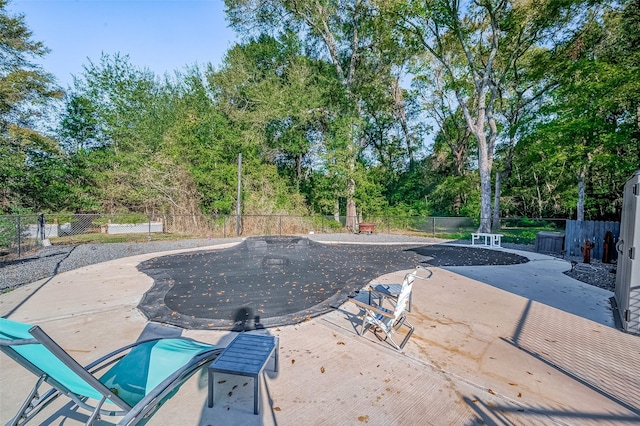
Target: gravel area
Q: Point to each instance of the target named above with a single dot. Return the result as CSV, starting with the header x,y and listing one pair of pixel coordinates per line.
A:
x,y
49,261
596,273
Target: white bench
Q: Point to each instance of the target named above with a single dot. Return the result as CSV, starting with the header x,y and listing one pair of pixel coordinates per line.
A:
x,y
491,240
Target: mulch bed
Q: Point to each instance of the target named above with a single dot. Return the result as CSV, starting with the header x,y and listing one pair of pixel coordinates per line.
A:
x,y
448,255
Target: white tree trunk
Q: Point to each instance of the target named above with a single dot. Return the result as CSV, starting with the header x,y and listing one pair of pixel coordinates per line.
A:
x,y
352,215
485,188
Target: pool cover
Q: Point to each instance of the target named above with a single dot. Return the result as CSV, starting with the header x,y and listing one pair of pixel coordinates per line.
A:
x,y
281,280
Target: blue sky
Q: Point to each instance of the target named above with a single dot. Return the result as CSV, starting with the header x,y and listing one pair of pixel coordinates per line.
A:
x,y
162,35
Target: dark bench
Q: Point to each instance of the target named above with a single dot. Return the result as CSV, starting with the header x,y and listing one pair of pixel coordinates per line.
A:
x,y
246,355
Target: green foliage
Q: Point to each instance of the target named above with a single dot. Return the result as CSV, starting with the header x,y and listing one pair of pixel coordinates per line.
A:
x,y
525,222
332,224
30,164
455,196
590,127
204,141
319,120
8,231
120,219
24,86
33,171
80,125
14,225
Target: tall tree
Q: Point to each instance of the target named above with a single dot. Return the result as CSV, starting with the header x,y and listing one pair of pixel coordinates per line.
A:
x,y
523,94
24,90
589,126
453,134
115,119
205,142
275,98
340,31
477,43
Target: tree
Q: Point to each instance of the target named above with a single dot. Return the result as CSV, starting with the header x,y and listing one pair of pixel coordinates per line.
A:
x,y
524,92
453,134
24,90
205,142
476,43
80,124
274,98
341,31
589,124
114,122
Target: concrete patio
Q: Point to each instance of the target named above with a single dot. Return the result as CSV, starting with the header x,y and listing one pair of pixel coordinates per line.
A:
x,y
480,354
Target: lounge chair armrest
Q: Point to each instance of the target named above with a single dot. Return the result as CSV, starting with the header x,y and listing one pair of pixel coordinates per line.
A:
x,y
112,357
423,268
17,342
372,308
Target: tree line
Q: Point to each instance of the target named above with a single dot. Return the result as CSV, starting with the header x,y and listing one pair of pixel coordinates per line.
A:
x,y
485,108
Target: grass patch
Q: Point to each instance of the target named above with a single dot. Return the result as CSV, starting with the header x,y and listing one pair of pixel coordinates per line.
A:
x,y
117,238
526,236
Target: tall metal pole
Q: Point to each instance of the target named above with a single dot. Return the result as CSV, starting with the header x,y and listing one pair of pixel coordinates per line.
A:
x,y
18,236
239,210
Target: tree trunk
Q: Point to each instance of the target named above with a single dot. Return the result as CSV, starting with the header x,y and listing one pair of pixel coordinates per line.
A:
x,y
323,26
537,202
484,164
496,202
502,176
401,114
459,155
352,218
477,126
336,211
580,207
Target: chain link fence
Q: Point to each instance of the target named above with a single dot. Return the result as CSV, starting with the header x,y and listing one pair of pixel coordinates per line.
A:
x,y
20,234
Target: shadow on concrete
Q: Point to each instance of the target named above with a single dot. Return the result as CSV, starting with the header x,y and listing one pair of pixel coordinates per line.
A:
x,y
493,414
233,396
35,291
574,352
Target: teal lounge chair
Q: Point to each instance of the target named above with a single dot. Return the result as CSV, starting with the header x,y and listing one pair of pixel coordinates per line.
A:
x,y
138,377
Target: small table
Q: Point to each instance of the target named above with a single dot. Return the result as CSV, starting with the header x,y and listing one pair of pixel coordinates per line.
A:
x,y
246,355
391,291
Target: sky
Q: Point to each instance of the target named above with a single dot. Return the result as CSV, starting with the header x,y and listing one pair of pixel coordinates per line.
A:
x,y
161,35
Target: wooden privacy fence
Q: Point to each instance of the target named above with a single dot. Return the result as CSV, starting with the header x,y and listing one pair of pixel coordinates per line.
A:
x,y
579,231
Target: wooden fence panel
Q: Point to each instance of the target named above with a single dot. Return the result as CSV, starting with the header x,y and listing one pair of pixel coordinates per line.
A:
x,y
577,232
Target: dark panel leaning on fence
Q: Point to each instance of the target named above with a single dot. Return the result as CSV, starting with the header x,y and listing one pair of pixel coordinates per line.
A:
x,y
549,242
579,231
